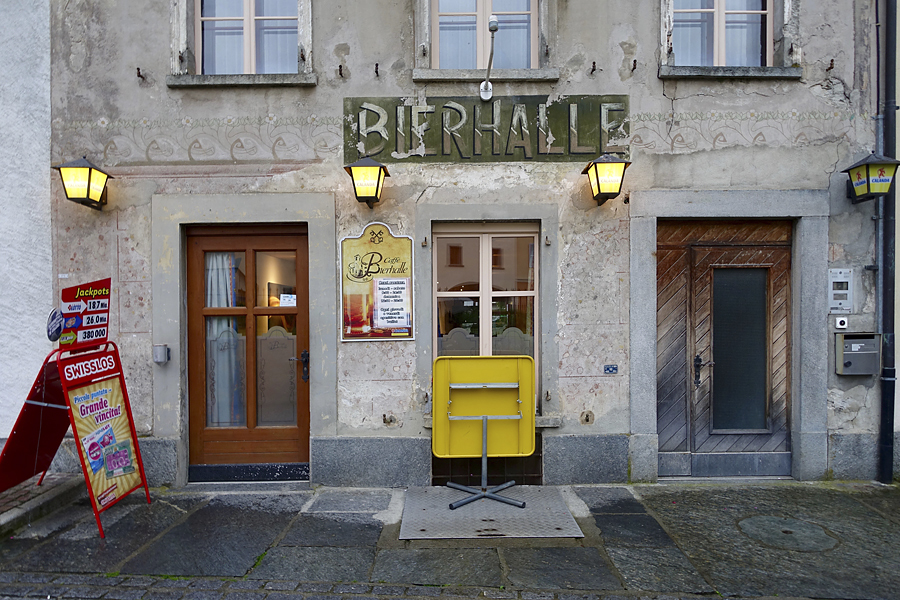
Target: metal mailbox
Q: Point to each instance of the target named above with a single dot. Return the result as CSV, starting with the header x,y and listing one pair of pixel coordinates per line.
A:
x,y
857,353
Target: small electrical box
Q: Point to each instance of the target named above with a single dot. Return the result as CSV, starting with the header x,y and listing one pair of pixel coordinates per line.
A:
x,y
857,353
840,291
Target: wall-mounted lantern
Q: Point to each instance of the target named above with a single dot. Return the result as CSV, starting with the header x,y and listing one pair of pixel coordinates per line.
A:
x,y
606,174
870,177
368,180
84,182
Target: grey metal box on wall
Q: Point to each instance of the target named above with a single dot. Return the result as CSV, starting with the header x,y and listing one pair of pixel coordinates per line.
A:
x,y
857,353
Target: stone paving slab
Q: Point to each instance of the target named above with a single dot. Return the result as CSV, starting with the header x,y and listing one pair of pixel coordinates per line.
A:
x,y
609,500
223,538
331,530
659,569
439,566
632,530
559,568
315,564
356,501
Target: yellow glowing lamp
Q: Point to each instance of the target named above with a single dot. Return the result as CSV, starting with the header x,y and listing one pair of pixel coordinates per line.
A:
x,y
84,182
870,177
606,174
368,180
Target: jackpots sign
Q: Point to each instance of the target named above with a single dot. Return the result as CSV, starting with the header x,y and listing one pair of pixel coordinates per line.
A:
x,y
376,285
510,129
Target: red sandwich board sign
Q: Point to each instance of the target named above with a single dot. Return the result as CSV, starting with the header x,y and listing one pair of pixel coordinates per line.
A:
x,y
80,385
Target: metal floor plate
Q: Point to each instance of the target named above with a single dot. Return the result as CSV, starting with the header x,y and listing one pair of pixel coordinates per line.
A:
x,y
427,515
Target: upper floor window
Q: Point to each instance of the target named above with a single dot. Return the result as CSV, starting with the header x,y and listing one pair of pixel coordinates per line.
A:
x,y
461,39
246,36
733,33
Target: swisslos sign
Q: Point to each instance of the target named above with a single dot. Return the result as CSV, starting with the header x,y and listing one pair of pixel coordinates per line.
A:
x,y
94,367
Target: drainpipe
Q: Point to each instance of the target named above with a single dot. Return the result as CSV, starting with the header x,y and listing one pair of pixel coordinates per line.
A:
x,y
888,370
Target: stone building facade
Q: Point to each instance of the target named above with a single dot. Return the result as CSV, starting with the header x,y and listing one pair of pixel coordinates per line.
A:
x,y
735,193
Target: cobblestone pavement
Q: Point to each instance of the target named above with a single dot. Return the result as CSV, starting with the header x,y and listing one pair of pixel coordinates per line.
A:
x,y
662,542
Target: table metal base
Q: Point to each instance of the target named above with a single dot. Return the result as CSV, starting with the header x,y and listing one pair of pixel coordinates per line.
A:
x,y
478,494
484,492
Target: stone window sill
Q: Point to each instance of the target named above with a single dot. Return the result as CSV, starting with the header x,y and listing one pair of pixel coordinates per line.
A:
x,y
477,75
218,81
672,72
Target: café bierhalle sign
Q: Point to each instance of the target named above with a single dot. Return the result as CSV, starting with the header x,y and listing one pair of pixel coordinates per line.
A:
x,y
466,129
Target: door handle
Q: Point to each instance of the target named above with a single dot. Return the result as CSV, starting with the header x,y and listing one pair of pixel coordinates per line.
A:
x,y
699,364
304,360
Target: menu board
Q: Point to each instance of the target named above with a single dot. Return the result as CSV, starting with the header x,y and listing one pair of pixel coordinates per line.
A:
x,y
376,285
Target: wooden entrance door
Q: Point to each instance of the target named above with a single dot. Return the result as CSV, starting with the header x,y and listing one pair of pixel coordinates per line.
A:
x,y
723,348
249,402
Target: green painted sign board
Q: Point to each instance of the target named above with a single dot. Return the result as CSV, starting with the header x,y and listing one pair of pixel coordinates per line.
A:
x,y
467,129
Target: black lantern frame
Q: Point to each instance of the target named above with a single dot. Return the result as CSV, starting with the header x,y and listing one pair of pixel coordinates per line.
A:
x,y
605,177
84,182
368,177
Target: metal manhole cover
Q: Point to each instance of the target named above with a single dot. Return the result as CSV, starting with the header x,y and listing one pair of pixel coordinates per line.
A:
x,y
788,534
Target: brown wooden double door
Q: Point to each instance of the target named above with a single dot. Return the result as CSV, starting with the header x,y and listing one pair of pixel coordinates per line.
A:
x,y
723,348
248,352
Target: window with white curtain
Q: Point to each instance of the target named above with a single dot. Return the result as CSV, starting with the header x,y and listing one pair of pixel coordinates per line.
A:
x,y
246,36
733,33
461,39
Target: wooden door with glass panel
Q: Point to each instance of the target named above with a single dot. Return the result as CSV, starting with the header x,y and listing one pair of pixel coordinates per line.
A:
x,y
724,348
249,402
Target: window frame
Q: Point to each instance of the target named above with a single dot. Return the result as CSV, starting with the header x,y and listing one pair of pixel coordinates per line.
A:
x,y
184,58
485,232
783,60
720,14
248,19
483,35
541,72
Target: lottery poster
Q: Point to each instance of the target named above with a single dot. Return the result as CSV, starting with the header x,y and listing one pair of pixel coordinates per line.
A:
x,y
85,315
103,425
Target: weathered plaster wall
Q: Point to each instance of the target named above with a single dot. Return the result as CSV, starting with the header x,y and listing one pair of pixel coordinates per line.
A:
x,y
26,266
110,101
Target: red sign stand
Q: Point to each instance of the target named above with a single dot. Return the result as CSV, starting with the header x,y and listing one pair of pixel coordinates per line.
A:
x,y
84,389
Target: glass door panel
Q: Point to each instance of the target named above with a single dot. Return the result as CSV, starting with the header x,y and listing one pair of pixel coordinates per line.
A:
x,y
226,372
226,279
512,326
512,263
458,264
458,326
739,324
276,374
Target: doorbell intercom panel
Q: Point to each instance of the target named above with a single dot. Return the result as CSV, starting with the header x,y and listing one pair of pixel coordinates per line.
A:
x,y
840,291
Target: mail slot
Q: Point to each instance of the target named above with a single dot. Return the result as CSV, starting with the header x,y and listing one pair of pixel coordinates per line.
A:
x,y
857,353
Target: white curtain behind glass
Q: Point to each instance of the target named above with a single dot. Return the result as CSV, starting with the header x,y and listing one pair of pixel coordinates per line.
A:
x,y
225,393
